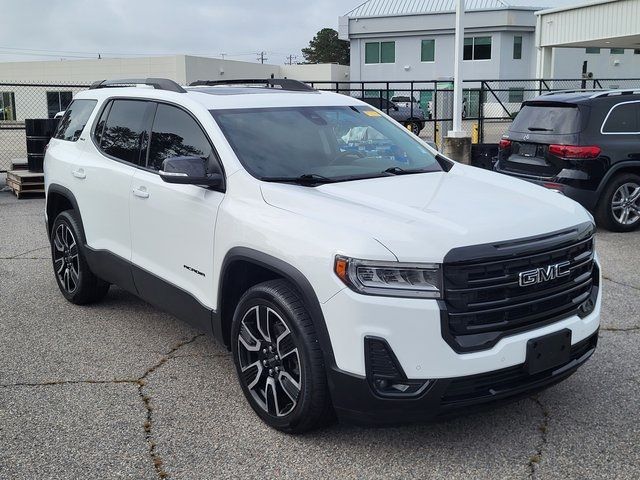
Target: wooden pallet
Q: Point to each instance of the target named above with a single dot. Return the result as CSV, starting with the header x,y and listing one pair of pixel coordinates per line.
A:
x,y
24,183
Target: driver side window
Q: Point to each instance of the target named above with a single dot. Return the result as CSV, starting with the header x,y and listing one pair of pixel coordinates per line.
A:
x,y
176,134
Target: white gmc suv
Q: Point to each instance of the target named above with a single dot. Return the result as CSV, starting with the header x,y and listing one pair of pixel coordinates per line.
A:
x,y
349,267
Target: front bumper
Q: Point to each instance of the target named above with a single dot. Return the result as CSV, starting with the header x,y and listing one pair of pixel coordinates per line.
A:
x,y
446,397
457,381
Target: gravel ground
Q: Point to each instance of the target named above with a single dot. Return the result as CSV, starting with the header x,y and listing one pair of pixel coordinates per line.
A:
x,y
121,389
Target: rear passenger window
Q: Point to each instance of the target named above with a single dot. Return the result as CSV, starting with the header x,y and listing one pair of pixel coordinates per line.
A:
x,y
74,120
623,118
124,130
176,134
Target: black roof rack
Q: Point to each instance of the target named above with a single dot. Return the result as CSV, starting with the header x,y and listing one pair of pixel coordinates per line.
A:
x,y
157,83
282,83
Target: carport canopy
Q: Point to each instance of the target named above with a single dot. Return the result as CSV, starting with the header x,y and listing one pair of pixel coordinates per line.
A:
x,y
599,24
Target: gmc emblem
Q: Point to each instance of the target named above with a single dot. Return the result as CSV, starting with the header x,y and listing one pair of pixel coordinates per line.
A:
x,y
544,274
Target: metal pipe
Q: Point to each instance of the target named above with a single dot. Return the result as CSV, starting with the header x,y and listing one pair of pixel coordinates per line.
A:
x,y
457,71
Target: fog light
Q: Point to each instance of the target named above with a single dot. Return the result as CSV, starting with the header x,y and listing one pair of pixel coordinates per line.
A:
x,y
385,374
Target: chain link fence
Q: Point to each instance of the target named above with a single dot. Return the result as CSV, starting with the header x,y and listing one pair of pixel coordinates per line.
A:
x,y
19,101
489,106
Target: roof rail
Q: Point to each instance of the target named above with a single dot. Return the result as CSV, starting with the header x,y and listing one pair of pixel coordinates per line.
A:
x,y
157,83
573,90
623,91
282,83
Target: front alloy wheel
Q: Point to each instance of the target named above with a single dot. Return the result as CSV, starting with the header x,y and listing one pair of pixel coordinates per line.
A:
x,y
269,360
278,358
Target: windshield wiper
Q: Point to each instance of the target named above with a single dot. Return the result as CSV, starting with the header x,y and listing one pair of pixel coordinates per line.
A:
x,y
304,179
403,171
540,129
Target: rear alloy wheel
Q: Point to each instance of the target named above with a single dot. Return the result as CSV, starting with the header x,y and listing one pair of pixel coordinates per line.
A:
x,y
76,281
619,208
278,359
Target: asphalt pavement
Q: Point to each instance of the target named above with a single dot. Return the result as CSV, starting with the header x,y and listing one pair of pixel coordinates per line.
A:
x,y
122,390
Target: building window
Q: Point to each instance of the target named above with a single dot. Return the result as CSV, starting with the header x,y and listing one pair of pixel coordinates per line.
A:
x,y
592,50
516,95
7,106
387,52
636,51
428,51
617,51
517,47
57,102
477,48
380,52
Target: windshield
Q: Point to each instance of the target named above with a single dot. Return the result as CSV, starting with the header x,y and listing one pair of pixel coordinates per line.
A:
x,y
323,143
547,118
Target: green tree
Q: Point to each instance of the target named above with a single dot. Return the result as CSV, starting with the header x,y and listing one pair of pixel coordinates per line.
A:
x,y
326,47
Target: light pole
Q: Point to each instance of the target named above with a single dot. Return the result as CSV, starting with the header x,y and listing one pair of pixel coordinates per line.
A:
x,y
457,144
457,72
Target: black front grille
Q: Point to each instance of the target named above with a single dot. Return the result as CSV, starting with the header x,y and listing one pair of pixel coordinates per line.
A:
x,y
505,381
485,301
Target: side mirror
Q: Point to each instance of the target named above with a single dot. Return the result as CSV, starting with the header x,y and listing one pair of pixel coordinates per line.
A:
x,y
189,171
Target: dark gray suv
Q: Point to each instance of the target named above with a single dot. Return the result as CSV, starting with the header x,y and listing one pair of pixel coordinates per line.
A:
x,y
585,145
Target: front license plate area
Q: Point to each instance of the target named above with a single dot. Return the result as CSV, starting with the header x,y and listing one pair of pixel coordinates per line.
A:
x,y
549,351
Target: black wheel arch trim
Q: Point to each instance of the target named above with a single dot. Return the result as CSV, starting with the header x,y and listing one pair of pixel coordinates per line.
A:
x,y
613,171
66,193
293,275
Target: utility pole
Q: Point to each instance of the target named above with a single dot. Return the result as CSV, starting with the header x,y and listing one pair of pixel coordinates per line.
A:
x,y
291,59
261,56
223,55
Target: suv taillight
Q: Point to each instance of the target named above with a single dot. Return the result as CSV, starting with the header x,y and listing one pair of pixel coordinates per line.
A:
x,y
574,151
504,144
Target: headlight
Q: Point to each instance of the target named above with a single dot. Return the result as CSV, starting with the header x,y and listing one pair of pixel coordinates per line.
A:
x,y
392,279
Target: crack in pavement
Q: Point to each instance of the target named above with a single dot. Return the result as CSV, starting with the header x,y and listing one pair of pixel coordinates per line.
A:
x,y
17,255
543,428
619,329
158,463
140,382
609,279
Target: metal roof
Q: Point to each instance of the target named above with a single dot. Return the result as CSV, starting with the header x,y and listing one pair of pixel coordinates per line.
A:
x,y
383,8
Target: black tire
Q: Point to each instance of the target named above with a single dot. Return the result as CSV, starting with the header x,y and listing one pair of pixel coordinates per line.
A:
x,y
415,126
606,216
280,309
76,281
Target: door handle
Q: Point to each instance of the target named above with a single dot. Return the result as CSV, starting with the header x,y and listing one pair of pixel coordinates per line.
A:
x,y
79,173
141,192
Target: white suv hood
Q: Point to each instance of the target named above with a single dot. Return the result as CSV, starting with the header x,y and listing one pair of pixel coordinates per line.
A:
x,y
421,217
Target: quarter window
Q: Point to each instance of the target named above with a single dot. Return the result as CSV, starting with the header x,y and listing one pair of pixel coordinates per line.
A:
x,y
623,118
124,129
75,119
57,102
428,51
477,48
176,134
517,47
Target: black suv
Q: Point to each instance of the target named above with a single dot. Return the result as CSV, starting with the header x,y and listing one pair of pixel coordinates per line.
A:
x,y
585,145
